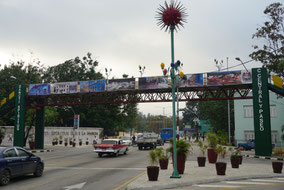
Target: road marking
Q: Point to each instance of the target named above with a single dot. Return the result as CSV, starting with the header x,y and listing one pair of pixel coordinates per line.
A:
x,y
76,186
268,180
246,182
250,186
222,186
81,168
280,178
129,181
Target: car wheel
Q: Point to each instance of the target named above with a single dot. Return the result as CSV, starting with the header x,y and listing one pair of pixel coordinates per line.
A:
x,y
5,177
39,170
140,147
125,152
100,155
116,154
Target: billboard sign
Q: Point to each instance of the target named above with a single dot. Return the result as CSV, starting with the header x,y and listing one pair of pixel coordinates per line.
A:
x,y
39,89
191,80
153,82
65,87
92,86
224,78
121,84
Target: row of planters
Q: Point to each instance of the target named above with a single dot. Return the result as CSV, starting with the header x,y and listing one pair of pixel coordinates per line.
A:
x,y
72,143
214,150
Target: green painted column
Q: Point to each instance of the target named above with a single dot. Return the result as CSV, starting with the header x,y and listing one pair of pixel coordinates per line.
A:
x,y
39,129
19,127
261,111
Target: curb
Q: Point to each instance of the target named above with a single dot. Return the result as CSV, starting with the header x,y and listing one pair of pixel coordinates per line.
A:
x,y
263,157
37,151
197,182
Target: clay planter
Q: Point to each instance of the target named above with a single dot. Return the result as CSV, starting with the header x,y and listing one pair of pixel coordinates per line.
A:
x,y
212,155
164,164
240,159
87,142
221,168
65,143
235,161
74,144
32,145
60,142
70,142
277,167
201,161
153,173
80,143
53,143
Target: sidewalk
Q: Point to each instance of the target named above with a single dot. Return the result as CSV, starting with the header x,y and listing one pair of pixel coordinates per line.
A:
x,y
199,175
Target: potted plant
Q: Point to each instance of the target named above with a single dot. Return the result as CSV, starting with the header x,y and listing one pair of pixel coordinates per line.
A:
x,y
70,141
182,148
87,141
65,141
235,159
153,169
31,141
277,165
163,158
221,165
54,141
60,139
74,143
80,142
202,159
212,143
2,135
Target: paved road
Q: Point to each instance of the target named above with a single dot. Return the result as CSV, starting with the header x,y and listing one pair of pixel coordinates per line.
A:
x,y
81,166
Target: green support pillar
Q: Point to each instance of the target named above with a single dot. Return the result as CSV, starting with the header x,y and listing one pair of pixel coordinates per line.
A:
x,y
39,129
19,127
261,111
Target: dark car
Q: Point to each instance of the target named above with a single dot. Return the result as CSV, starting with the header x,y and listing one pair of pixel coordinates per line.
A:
x,y
16,161
246,146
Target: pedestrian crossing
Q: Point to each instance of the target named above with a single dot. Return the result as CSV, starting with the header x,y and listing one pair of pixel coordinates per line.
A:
x,y
240,184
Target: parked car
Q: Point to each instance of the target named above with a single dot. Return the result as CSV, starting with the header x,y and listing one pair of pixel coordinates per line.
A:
x,y
126,140
16,161
160,141
246,146
111,147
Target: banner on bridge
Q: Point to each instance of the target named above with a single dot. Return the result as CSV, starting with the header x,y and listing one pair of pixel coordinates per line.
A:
x,y
191,80
92,86
121,84
228,78
153,82
39,89
64,88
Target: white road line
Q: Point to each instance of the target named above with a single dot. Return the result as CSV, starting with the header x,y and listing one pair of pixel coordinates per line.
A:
x,y
80,168
268,180
280,178
214,186
246,182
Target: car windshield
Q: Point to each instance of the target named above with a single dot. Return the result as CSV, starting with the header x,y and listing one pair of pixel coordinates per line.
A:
x,y
108,142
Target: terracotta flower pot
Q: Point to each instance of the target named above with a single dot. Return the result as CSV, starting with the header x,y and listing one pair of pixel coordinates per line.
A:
x,y
201,161
153,173
235,161
212,155
65,143
277,167
164,164
221,168
87,142
32,145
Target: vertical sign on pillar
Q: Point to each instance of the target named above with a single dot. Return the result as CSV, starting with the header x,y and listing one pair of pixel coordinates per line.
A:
x,y
76,121
19,129
261,111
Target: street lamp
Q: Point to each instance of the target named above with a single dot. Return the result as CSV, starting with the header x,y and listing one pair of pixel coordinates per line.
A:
x,y
243,63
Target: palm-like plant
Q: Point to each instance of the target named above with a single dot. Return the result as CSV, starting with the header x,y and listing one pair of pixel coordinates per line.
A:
x,y
182,146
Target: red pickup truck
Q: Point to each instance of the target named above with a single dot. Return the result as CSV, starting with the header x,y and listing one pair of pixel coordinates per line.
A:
x,y
111,147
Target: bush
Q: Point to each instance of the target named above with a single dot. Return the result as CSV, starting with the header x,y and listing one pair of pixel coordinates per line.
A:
x,y
278,152
182,146
212,140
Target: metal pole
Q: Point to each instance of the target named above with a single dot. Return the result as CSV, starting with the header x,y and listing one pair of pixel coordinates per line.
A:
x,y
229,114
177,107
175,173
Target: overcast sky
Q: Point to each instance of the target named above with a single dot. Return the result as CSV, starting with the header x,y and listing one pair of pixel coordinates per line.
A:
x,y
123,34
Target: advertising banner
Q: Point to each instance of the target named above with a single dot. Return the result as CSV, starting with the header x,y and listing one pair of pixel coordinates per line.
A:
x,y
92,86
39,89
224,78
65,88
191,80
153,82
246,76
121,84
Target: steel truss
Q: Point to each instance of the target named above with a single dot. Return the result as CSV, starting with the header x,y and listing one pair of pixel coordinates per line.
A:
x,y
204,93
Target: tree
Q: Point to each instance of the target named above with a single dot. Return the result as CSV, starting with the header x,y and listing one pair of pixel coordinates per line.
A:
x,y
271,55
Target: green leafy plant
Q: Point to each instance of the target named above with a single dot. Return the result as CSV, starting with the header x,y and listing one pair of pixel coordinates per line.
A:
x,y
212,140
279,152
235,153
153,158
65,139
203,147
162,153
221,151
182,146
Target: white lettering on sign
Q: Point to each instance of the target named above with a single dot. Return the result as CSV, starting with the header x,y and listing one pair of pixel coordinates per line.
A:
x,y
260,97
18,108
